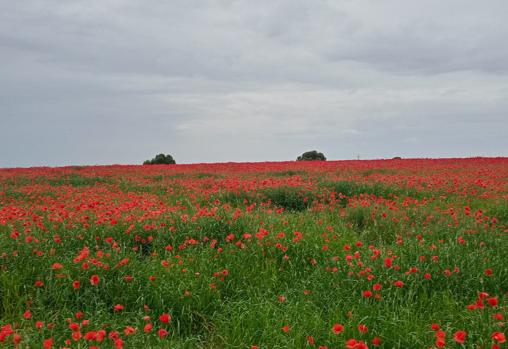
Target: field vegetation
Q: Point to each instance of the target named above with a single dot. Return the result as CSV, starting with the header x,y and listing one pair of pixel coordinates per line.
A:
x,y
327,254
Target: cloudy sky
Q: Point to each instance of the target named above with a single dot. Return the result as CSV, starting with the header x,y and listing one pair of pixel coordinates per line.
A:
x,y
117,81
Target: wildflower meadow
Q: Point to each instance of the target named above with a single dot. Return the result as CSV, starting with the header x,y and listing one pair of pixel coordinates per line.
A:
x,y
402,253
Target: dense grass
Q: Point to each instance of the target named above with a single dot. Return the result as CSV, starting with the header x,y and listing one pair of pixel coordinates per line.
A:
x,y
234,265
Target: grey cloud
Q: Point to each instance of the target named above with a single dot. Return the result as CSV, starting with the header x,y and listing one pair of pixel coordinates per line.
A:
x,y
117,81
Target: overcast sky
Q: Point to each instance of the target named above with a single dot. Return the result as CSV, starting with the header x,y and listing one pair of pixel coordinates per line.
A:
x,y
117,81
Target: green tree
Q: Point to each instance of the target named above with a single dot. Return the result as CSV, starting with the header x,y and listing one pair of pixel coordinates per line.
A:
x,y
160,159
311,155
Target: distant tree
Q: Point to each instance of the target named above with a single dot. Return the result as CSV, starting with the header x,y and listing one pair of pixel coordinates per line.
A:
x,y
311,156
160,159
396,158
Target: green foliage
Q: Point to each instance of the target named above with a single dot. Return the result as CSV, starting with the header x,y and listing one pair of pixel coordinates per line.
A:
x,y
288,173
160,159
311,156
14,194
350,189
238,198
226,282
289,198
11,299
293,199
75,180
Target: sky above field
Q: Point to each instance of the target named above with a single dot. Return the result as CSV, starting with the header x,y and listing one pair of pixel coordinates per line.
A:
x,y
118,81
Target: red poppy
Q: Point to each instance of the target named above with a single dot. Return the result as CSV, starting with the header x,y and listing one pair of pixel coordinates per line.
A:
x,y
337,328
388,262
16,338
90,336
128,330
362,328
460,336
162,333
492,301
56,266
498,316
94,280
376,341
165,318
499,337
354,344
398,283
47,343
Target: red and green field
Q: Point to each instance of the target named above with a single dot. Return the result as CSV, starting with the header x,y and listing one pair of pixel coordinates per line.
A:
x,y
347,254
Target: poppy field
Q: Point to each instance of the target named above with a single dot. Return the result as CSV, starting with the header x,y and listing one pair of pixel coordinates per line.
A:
x,y
311,254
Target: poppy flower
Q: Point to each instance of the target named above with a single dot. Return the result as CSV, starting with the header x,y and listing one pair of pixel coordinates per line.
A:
x,y
47,343
128,330
56,266
398,283
16,338
310,340
90,336
165,318
498,316
76,336
499,337
388,262
148,327
362,328
354,344
376,341
162,333
440,342
94,280
460,336
337,328
367,294
492,301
